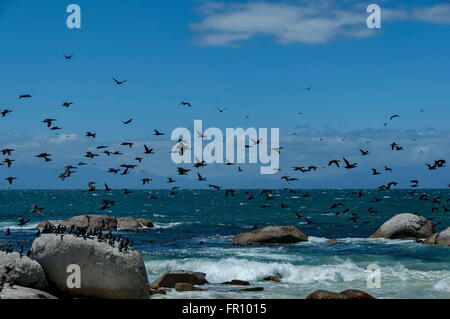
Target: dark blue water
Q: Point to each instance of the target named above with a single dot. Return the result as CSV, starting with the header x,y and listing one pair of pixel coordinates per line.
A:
x,y
408,270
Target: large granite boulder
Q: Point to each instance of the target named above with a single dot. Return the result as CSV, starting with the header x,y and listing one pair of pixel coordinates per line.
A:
x,y
171,278
22,271
346,294
103,222
99,222
18,292
405,226
442,238
105,271
269,235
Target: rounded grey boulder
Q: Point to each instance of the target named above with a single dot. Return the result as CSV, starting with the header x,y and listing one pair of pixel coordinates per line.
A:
x,y
99,222
18,292
105,272
22,271
103,222
270,235
442,238
405,226
130,223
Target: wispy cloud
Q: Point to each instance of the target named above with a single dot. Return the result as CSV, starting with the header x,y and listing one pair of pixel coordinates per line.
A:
x,y
226,24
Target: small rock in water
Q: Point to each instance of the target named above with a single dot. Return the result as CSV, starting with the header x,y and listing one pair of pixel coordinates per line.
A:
x,y
346,294
272,278
171,278
236,282
252,289
158,291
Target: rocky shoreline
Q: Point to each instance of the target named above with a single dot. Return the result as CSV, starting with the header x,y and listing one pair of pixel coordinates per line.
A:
x,y
109,268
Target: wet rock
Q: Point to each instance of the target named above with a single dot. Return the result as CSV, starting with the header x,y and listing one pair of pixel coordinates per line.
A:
x,y
405,226
171,278
251,289
236,282
94,222
346,294
271,234
442,238
272,278
158,291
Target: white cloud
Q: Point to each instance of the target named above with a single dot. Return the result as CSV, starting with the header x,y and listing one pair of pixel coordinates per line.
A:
x,y
226,24
436,14
65,138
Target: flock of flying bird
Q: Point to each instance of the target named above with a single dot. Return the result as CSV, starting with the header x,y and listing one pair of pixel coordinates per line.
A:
x,y
126,168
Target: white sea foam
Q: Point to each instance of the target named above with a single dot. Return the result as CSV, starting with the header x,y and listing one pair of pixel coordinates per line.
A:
x,y
443,285
167,225
12,225
244,269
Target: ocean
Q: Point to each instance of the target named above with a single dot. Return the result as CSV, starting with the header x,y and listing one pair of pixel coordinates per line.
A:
x,y
193,230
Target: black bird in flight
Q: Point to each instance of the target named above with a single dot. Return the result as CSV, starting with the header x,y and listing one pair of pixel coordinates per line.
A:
x,y
335,162
119,82
148,150
67,104
35,209
49,122
5,112
127,122
7,151
130,144
393,117
157,133
68,57
364,153
90,134
349,165
22,221
221,110
25,96
185,104
182,171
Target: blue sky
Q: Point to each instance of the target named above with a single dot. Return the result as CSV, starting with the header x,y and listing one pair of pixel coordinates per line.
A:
x,y
254,57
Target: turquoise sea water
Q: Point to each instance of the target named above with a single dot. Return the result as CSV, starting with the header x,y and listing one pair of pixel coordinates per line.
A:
x,y
192,217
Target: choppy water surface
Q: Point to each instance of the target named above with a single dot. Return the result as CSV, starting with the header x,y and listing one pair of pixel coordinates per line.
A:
x,y
191,217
